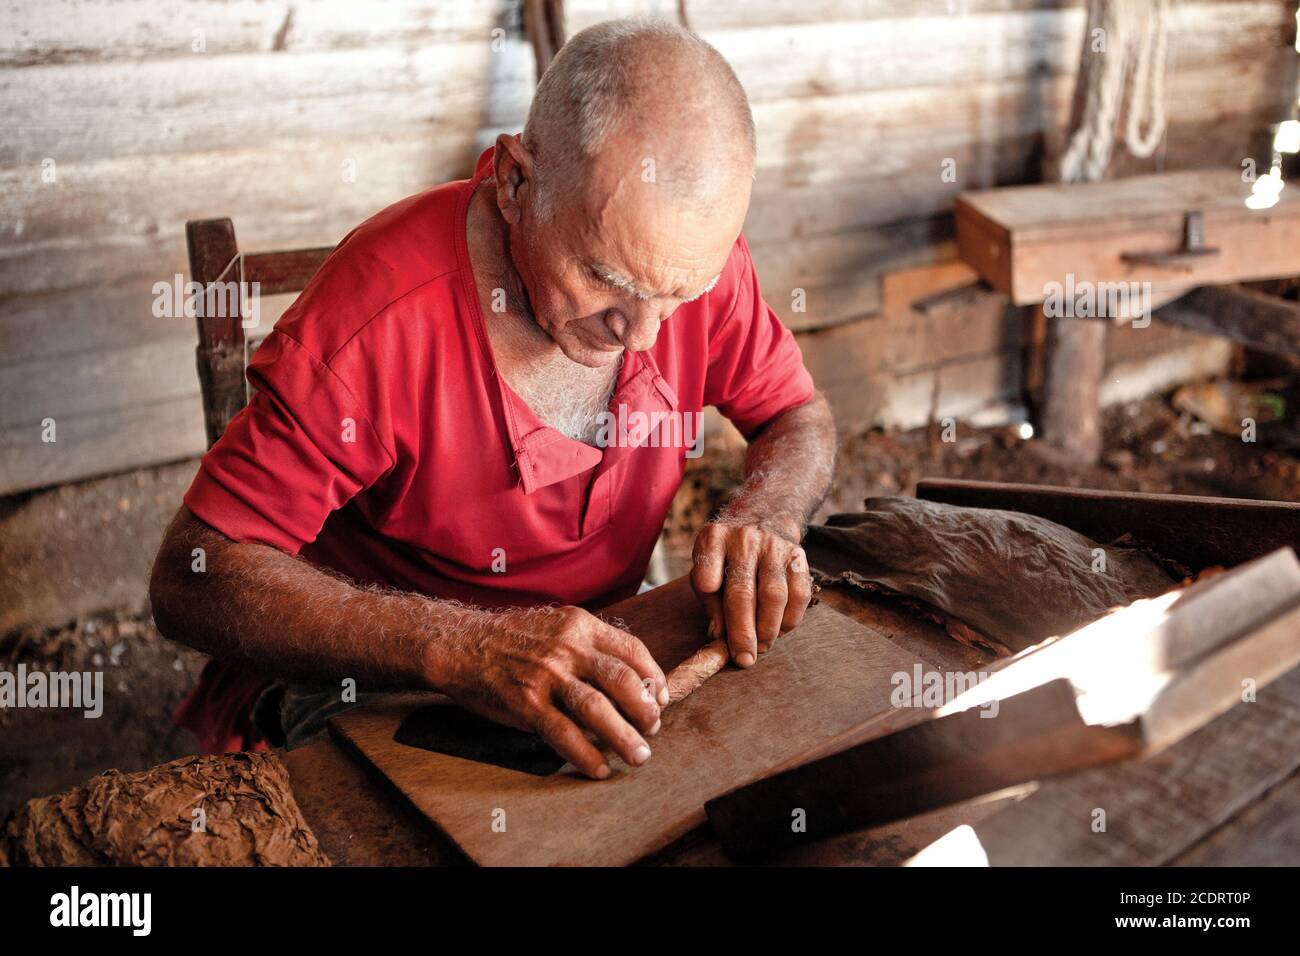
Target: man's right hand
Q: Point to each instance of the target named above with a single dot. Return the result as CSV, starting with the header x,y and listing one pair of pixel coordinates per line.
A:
x,y
557,671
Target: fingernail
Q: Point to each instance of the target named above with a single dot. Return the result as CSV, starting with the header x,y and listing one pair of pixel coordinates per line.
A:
x,y
655,729
645,695
663,697
641,755
602,771
764,648
745,659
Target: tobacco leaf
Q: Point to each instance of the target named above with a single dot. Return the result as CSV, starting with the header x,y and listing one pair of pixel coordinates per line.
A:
x,y
1001,579
250,818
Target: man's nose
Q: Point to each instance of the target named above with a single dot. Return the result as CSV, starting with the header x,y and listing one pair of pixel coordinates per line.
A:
x,y
636,328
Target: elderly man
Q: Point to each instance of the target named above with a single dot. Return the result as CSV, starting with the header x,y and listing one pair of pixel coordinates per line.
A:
x,y
425,490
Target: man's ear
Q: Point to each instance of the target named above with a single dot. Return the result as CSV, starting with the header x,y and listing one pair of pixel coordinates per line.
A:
x,y
512,167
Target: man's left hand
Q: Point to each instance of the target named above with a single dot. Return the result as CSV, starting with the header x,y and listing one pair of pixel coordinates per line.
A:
x,y
753,582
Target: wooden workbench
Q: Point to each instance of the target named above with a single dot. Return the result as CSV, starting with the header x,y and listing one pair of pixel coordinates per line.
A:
x,y
1229,794
360,820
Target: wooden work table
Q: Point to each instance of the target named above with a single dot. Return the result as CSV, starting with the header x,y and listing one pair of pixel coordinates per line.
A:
x,y
1229,794
361,820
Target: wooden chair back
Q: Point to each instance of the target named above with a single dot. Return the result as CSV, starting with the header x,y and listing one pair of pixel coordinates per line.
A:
x,y
226,275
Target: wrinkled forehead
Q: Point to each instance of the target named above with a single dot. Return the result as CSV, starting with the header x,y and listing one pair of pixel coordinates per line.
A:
x,y
635,211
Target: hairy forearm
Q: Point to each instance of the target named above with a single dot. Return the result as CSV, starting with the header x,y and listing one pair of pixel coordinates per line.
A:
x,y
290,620
559,672
788,471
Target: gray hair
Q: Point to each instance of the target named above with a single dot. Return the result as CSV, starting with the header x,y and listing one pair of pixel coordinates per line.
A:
x,y
590,86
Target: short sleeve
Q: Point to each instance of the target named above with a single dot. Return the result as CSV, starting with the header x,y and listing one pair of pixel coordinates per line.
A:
x,y
301,449
756,370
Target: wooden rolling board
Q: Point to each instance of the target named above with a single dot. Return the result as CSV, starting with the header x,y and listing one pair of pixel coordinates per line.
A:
x,y
824,677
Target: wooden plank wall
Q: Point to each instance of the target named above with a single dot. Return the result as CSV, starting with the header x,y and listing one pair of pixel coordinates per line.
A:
x,y
299,119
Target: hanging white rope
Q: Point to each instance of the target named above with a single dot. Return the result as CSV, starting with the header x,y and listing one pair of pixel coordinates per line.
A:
x,y
1131,30
1147,99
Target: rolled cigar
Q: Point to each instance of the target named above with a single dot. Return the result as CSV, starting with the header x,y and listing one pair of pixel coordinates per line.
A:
x,y
696,669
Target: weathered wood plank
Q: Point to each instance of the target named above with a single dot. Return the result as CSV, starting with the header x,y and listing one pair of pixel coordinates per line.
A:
x,y
1027,240
127,215
119,313
971,324
960,390
840,273
1156,809
839,56
333,94
1144,360
1159,370
319,94
792,211
762,13
1265,322
158,365
316,94
87,31
78,257
79,30
1265,833
120,209
112,316
1129,342
148,372
101,443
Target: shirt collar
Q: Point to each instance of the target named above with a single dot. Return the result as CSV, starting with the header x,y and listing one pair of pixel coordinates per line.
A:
x,y
544,456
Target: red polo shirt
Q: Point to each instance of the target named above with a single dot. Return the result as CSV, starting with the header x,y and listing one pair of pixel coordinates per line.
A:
x,y
381,441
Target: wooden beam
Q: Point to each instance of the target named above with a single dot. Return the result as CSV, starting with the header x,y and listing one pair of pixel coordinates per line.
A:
x,y
1264,322
544,27
1071,407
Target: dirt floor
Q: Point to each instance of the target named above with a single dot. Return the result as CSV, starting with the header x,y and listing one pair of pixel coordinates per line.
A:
x,y
1149,446
43,751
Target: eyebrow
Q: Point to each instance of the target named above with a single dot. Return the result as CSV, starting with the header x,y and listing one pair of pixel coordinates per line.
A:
x,y
623,284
